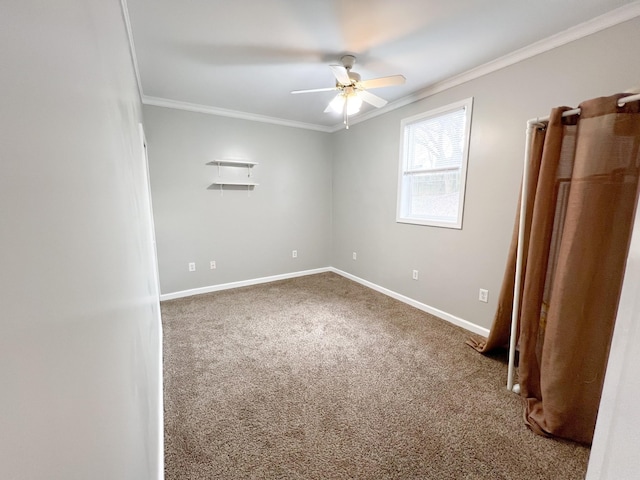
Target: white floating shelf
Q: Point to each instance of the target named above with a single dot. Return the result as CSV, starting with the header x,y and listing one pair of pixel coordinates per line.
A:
x,y
243,184
244,163
222,183
230,162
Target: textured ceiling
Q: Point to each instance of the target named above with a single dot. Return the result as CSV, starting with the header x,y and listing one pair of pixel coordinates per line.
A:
x,y
247,55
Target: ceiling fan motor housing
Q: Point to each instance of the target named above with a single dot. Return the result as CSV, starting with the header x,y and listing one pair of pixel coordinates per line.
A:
x,y
352,90
348,61
354,76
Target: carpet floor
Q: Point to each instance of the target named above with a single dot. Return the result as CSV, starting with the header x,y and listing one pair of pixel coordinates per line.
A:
x,y
319,377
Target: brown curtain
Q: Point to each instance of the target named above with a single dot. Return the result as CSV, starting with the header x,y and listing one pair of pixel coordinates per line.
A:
x,y
582,193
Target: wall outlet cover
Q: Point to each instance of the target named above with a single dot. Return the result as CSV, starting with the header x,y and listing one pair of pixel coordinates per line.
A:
x,y
483,296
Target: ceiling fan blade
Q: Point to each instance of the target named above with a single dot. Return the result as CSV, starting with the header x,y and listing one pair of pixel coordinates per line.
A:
x,y
384,81
372,99
341,74
313,90
330,106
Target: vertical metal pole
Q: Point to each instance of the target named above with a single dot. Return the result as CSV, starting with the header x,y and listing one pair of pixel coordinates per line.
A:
x,y
519,259
531,124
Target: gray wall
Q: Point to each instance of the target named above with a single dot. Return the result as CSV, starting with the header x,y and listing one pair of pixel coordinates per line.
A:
x,y
79,328
454,264
249,236
329,195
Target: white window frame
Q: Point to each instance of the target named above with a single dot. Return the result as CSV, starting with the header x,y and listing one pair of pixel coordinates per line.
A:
x,y
404,170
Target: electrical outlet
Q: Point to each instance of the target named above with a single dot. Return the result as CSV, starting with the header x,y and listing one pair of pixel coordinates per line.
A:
x,y
483,296
415,275
212,265
192,266
355,256
294,254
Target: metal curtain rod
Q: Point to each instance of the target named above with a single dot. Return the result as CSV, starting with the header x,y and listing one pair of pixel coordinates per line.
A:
x,y
519,256
576,111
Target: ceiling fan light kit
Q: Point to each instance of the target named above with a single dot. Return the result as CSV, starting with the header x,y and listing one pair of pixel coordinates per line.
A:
x,y
352,101
352,91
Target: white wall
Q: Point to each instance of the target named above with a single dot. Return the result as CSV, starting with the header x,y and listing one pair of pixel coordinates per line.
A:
x,y
79,325
454,264
249,236
614,455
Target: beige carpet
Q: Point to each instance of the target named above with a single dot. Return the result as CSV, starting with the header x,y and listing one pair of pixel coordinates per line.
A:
x,y
321,378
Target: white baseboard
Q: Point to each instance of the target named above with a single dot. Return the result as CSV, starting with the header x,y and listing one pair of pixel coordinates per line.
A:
x,y
243,283
472,327
409,301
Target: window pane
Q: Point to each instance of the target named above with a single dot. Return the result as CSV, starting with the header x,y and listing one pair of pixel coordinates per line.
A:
x,y
437,142
435,195
433,166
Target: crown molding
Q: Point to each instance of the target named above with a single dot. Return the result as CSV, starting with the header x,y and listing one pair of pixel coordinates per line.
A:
x,y
223,112
607,20
595,25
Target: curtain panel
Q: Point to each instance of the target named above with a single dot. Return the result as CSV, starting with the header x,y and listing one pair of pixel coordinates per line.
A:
x,y
582,194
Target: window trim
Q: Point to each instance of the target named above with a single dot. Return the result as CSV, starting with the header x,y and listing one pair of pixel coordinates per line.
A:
x,y
403,170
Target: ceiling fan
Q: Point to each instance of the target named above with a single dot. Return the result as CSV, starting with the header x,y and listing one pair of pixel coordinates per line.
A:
x,y
352,91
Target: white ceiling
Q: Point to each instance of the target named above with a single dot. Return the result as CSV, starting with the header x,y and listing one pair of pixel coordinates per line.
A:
x,y
247,55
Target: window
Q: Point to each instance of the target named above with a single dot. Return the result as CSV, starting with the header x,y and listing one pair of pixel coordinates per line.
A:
x,y
433,166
